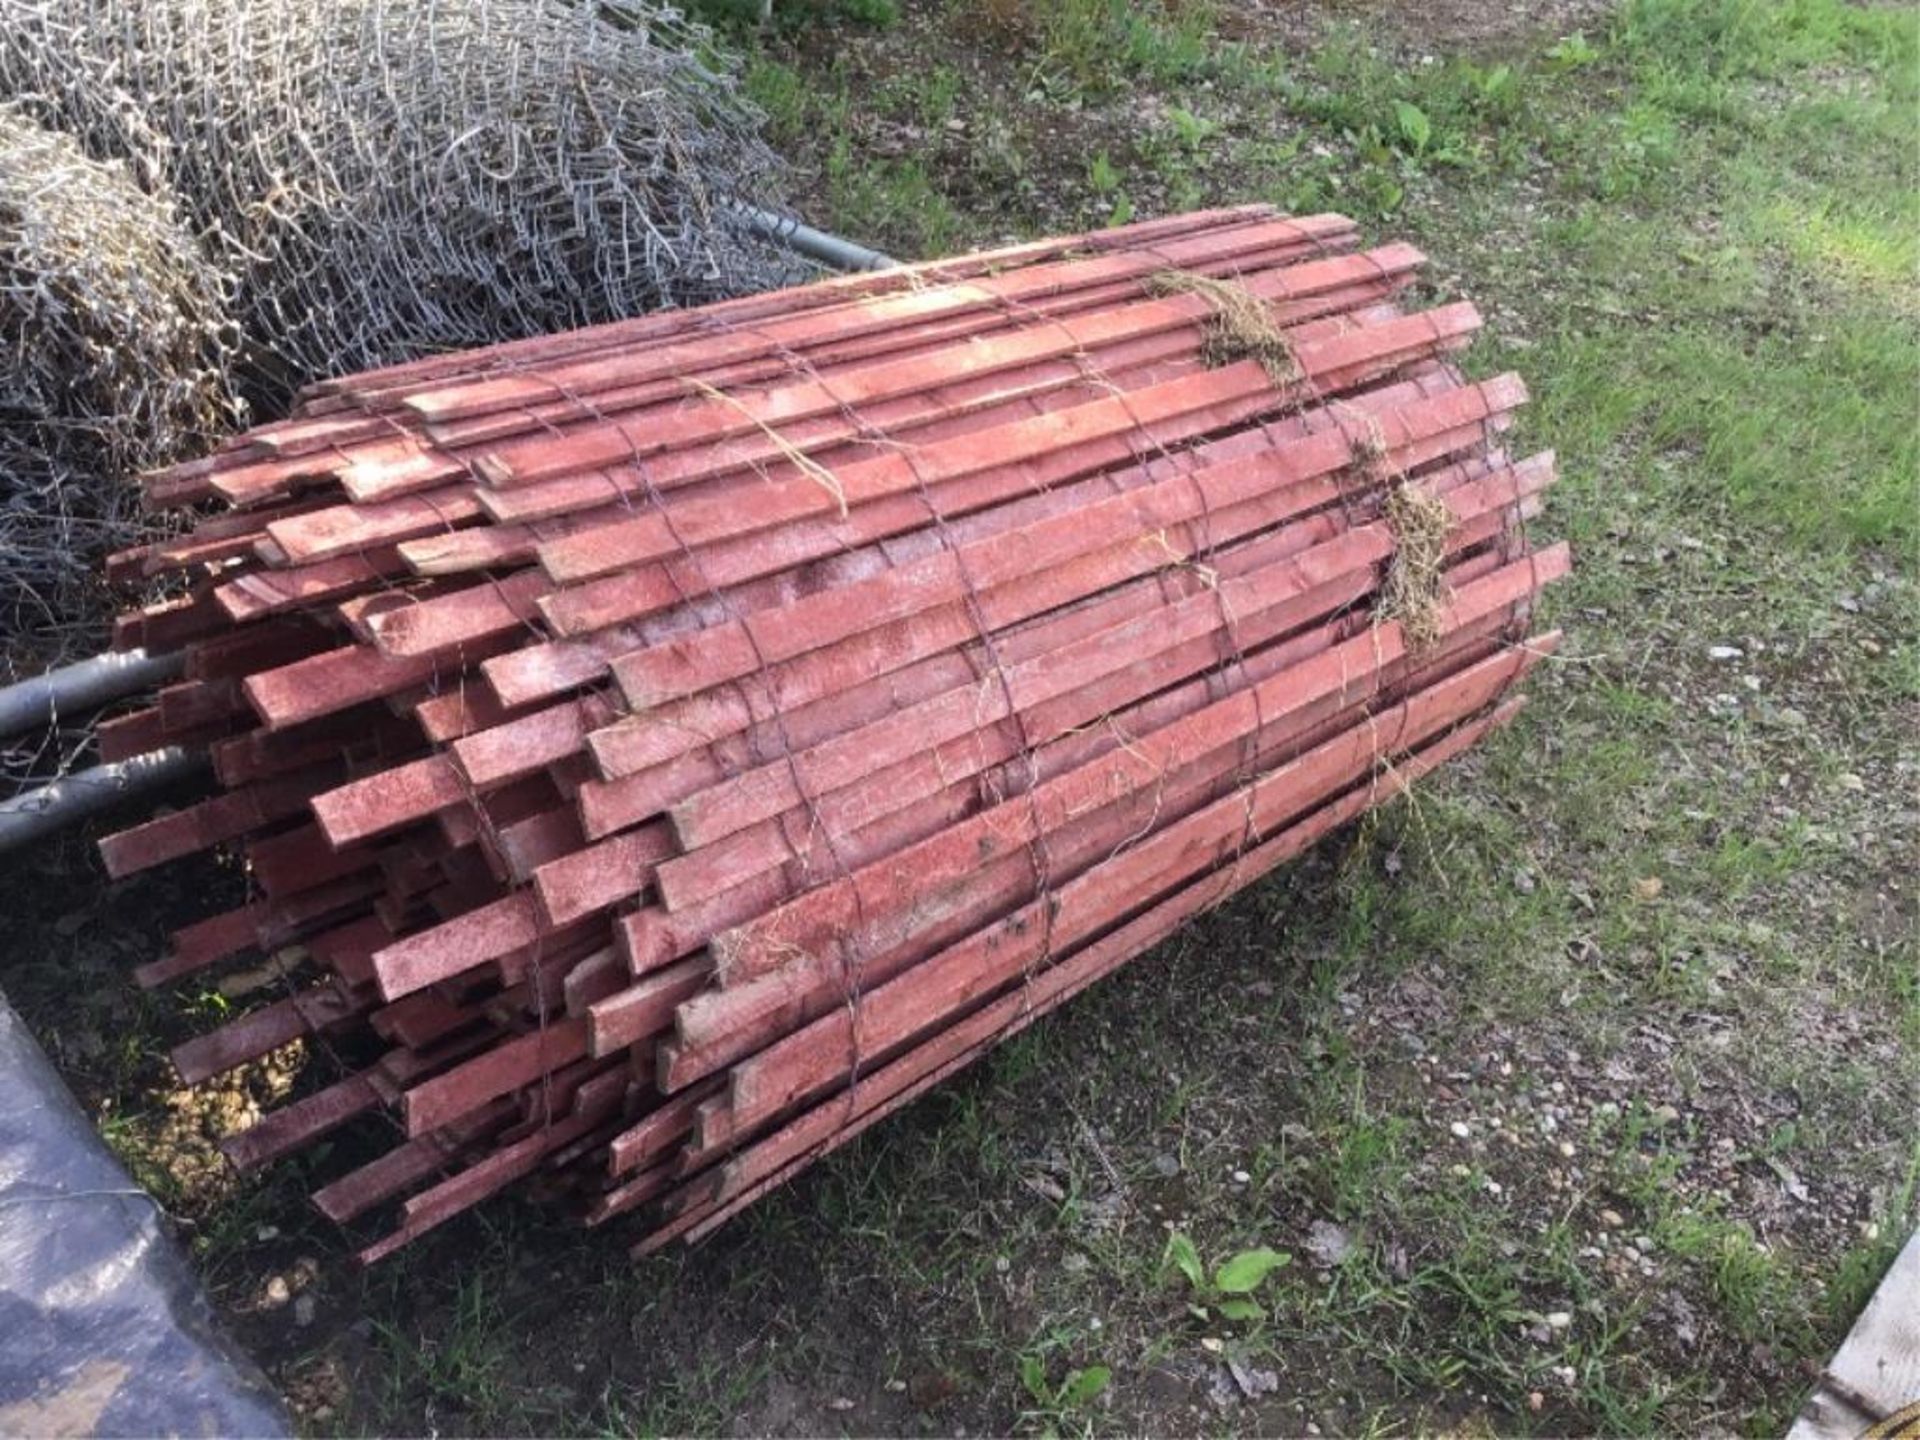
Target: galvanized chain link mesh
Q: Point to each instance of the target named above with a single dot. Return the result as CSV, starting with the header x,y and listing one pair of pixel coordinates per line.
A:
x,y
256,193
114,355
391,177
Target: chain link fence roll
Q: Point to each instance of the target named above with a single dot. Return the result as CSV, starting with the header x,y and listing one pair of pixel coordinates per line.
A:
x,y
388,178
115,349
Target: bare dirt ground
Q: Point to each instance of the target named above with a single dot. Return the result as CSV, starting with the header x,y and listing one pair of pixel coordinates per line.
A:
x,y
1481,26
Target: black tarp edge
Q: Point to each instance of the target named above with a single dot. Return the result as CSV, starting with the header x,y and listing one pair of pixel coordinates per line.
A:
x,y
103,1328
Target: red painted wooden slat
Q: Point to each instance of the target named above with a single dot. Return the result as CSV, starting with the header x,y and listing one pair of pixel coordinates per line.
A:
x,y
784,937
273,592
761,1086
881,313
600,876
474,939
468,1086
259,1031
292,1126
1244,251
210,822
390,798
402,378
619,777
359,1191
771,1162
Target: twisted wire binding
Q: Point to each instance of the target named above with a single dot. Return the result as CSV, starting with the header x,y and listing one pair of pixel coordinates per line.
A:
x,y
1373,465
1300,392
1094,376
1040,857
1036,845
849,949
1204,548
1233,335
729,608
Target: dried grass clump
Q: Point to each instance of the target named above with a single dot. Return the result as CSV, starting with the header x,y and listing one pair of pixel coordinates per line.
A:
x,y
392,177
115,358
1415,588
1241,327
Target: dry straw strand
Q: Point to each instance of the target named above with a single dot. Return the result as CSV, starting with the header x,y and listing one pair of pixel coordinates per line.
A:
x,y
1241,326
1414,591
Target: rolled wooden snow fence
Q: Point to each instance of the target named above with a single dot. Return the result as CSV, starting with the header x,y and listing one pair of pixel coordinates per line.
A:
x,y
663,750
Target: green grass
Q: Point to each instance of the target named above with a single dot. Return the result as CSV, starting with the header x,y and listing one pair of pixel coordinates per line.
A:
x,y
1740,233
